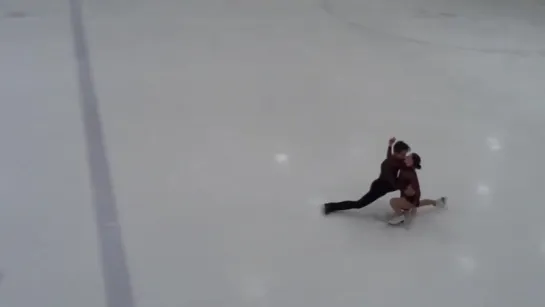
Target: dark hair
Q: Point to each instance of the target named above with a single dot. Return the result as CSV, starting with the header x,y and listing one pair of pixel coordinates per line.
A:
x,y
416,160
401,146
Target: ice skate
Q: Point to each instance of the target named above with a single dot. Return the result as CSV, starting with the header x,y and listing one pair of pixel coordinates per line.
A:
x,y
326,209
441,202
396,220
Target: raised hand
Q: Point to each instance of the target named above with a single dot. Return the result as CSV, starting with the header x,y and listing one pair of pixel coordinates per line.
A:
x,y
391,141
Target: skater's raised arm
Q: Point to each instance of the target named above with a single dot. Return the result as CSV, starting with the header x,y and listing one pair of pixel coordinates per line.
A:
x,y
390,144
389,169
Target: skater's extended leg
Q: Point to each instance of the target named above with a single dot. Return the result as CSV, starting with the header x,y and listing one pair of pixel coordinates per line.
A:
x,y
406,211
440,202
377,190
427,202
367,199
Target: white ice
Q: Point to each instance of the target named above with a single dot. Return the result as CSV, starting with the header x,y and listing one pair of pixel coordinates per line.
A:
x,y
228,122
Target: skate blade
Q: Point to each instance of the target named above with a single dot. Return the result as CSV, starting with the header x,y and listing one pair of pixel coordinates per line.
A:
x,y
396,224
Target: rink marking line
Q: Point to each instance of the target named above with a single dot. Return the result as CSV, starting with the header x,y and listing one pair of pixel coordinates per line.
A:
x,y
115,271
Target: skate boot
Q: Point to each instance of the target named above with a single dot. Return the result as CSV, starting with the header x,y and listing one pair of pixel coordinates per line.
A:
x,y
397,219
441,202
327,209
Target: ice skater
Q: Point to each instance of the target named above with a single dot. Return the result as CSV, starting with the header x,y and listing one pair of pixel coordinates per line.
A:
x,y
405,206
386,182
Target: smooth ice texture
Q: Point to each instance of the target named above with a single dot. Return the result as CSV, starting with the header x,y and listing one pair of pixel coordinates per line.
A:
x,y
227,123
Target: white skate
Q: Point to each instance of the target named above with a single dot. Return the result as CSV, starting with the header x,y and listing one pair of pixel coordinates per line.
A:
x,y
441,202
396,220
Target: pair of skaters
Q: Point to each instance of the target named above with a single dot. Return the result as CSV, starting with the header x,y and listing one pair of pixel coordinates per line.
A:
x,y
397,172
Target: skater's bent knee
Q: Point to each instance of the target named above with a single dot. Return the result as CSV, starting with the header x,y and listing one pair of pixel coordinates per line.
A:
x,y
395,202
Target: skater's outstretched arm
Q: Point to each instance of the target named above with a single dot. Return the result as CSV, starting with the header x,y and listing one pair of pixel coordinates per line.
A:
x,y
390,144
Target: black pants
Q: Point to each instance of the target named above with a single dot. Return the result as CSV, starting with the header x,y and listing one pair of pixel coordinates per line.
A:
x,y
378,189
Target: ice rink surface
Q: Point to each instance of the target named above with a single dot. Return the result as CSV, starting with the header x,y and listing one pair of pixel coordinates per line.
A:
x,y
222,126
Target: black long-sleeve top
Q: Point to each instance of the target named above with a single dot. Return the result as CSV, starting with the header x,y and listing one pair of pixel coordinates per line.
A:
x,y
390,168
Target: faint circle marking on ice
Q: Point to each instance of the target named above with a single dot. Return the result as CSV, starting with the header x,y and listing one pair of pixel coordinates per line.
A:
x,y
467,264
483,189
493,144
281,158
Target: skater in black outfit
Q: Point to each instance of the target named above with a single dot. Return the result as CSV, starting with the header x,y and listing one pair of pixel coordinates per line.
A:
x,y
384,184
